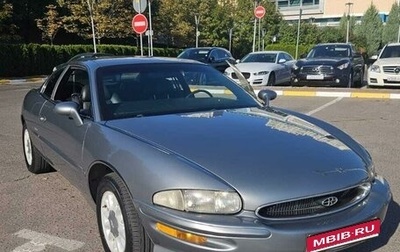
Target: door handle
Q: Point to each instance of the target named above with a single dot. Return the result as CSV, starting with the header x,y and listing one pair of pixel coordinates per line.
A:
x,y
42,119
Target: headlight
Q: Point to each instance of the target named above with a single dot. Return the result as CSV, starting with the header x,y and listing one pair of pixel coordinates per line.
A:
x,y
200,201
262,73
343,66
375,68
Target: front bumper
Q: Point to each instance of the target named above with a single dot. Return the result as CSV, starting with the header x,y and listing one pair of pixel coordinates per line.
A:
x,y
383,79
247,232
324,80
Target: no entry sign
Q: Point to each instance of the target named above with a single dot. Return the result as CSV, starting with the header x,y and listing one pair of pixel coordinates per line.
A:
x,y
259,12
139,23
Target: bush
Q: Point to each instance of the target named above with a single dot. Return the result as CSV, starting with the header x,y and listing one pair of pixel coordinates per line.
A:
x,y
19,60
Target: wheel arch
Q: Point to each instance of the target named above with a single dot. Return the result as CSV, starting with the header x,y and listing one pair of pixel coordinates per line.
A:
x,y
97,171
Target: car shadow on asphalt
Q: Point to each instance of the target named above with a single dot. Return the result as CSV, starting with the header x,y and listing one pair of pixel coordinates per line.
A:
x,y
388,229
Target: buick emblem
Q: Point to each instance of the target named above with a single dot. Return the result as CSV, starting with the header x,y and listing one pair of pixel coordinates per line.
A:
x,y
315,69
397,70
330,201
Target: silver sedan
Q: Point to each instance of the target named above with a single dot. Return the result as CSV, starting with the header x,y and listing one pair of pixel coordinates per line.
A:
x,y
175,156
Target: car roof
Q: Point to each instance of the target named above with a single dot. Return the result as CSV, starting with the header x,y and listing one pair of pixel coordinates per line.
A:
x,y
393,44
128,60
332,44
205,48
271,51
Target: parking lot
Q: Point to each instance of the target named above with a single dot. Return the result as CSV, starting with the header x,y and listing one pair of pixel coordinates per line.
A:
x,y
45,213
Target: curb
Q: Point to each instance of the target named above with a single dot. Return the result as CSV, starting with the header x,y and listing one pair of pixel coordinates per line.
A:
x,y
22,80
362,93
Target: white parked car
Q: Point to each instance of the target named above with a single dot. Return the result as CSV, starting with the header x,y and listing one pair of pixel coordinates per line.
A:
x,y
265,68
385,71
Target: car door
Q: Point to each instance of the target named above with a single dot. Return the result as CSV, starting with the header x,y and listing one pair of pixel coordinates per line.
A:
x,y
63,139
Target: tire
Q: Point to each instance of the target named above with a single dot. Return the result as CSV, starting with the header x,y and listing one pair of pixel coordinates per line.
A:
x,y
114,206
360,82
33,159
271,79
350,81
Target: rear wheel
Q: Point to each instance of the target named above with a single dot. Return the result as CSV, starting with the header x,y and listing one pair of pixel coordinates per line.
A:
x,y
118,220
271,79
33,159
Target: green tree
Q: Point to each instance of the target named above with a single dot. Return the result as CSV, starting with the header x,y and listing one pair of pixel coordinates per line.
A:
x,y
391,29
369,32
112,18
50,24
25,12
8,30
343,28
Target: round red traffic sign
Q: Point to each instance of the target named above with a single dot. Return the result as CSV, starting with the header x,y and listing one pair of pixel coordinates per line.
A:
x,y
139,23
259,12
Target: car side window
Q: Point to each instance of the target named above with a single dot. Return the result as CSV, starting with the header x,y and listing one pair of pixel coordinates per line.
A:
x,y
281,56
51,82
287,57
214,55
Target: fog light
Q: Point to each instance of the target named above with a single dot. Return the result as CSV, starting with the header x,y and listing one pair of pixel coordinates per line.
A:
x,y
337,81
181,235
295,80
373,80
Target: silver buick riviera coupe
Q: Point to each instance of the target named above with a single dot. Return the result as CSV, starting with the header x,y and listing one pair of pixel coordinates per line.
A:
x,y
175,156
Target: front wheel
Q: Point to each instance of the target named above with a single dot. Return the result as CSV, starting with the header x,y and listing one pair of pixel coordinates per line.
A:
x,y
33,159
119,223
271,79
350,81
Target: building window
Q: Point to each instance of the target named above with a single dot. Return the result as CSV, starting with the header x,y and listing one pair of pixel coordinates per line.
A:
x,y
294,3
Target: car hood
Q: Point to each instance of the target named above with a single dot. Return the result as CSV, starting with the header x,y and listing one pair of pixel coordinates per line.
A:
x,y
388,61
267,156
322,61
253,67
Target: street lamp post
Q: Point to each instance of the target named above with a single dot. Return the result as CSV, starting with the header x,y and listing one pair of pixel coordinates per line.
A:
x,y
90,5
230,39
197,21
348,4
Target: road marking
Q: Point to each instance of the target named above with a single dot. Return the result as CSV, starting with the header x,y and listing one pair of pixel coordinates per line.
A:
x,y
324,106
39,241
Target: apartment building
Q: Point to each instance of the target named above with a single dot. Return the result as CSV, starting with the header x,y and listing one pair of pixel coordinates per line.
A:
x,y
329,12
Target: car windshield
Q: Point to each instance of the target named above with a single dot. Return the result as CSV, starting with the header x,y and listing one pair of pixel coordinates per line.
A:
x,y
391,52
195,54
329,51
145,90
260,57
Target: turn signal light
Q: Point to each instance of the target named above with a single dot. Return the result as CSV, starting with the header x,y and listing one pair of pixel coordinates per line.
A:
x,y
182,235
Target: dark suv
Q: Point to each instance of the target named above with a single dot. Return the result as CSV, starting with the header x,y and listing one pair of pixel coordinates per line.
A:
x,y
214,56
332,64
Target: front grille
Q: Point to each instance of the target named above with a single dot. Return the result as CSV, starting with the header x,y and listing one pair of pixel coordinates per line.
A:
x,y
246,75
310,70
391,69
315,205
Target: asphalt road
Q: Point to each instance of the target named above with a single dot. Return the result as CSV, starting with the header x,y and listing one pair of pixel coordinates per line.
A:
x,y
45,213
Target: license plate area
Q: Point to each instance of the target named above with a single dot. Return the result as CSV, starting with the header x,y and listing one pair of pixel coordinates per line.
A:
x,y
343,236
315,77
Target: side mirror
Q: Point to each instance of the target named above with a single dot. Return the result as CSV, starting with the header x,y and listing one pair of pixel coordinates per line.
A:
x,y
211,59
374,57
69,109
267,95
281,61
238,61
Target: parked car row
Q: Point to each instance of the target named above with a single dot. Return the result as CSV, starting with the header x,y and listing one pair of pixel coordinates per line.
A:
x,y
329,64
